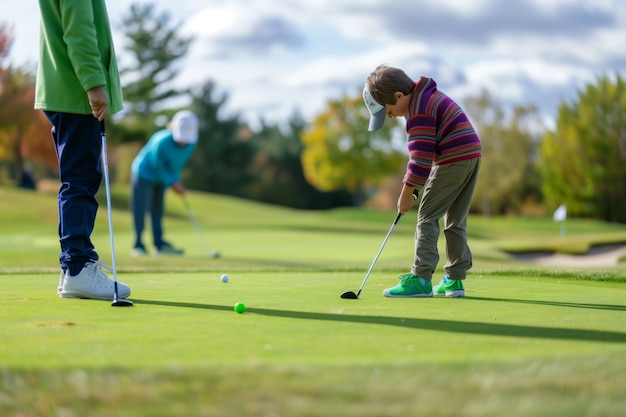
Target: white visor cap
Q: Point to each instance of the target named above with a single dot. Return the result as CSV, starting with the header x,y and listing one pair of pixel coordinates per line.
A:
x,y
185,127
377,111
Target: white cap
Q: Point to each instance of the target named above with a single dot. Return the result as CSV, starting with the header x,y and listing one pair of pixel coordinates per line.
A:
x,y
377,111
185,127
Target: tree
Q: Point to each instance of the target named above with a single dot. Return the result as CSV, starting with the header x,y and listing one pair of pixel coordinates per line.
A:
x,y
339,152
508,174
584,158
24,132
154,46
280,178
6,40
222,161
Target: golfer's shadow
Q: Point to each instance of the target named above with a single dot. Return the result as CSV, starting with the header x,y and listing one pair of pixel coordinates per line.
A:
x,y
474,328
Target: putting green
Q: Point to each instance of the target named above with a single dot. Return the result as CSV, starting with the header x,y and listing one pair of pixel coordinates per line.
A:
x,y
298,317
527,339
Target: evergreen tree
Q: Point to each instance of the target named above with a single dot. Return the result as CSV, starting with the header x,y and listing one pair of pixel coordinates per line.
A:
x,y
155,46
223,159
280,179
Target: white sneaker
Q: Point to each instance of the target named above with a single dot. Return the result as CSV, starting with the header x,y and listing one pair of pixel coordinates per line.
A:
x,y
91,282
138,252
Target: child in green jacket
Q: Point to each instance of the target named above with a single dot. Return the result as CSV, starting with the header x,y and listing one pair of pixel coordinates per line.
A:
x,y
77,86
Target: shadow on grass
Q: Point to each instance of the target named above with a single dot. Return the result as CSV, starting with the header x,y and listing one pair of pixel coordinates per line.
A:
x,y
475,328
611,307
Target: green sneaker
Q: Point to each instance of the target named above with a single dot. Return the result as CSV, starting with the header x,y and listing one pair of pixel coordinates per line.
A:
x,y
410,286
449,288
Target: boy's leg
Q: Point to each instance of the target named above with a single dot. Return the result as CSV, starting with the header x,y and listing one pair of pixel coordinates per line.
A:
x,y
433,205
78,145
459,256
157,205
141,191
441,191
426,252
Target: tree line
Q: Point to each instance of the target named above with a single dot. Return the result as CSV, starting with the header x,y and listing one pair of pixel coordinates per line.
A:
x,y
332,160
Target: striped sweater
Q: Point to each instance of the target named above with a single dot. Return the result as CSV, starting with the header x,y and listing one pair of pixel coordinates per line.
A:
x,y
438,133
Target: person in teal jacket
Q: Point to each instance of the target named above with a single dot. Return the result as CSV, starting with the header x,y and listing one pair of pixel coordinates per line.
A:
x,y
156,168
77,85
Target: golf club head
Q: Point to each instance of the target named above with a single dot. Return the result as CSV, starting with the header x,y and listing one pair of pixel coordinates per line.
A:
x,y
215,255
351,295
121,302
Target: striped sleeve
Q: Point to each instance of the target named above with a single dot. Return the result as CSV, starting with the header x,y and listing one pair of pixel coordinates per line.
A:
x,y
421,144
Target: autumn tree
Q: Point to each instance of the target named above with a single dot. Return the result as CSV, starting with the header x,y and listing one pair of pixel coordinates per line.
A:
x,y
583,161
339,152
24,132
6,40
508,174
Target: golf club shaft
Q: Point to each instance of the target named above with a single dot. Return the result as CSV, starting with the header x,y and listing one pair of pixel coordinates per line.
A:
x,y
379,252
107,186
196,225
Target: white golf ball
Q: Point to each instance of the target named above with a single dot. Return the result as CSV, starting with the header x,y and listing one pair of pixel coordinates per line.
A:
x,y
224,278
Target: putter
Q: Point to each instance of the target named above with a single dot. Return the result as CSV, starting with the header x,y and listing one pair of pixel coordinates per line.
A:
x,y
196,225
117,302
351,294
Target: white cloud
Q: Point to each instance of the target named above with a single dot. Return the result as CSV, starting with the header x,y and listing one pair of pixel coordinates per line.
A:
x,y
466,8
214,21
294,54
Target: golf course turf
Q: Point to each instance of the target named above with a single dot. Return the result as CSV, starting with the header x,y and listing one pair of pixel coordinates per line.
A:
x,y
525,340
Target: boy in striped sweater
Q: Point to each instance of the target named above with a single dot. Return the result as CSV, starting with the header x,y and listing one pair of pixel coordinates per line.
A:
x,y
444,160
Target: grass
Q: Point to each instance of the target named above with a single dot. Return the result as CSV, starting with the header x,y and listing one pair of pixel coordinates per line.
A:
x,y
525,340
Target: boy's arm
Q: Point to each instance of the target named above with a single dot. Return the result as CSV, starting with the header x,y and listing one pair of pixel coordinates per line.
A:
x,y
407,198
422,144
98,101
178,188
79,34
161,160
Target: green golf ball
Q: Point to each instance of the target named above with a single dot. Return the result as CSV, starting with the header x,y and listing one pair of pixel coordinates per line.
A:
x,y
240,307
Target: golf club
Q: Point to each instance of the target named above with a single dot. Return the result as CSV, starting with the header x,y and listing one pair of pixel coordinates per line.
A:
x,y
117,302
351,294
196,224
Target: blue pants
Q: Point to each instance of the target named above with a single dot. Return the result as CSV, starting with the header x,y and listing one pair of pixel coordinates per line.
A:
x,y
78,146
147,197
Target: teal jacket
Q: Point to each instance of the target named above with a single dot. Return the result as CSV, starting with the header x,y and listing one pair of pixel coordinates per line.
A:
x,y
161,159
76,54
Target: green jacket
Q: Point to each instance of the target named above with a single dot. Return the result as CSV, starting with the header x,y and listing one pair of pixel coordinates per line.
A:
x,y
76,54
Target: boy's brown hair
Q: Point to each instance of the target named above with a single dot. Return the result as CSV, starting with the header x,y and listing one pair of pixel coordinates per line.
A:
x,y
385,81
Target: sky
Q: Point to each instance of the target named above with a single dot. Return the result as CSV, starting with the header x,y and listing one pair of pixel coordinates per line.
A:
x,y
273,58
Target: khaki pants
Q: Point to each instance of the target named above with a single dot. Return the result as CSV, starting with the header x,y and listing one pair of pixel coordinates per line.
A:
x,y
448,194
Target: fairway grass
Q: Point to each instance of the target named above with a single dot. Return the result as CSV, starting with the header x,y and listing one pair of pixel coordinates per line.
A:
x,y
525,341
515,345
188,319
590,386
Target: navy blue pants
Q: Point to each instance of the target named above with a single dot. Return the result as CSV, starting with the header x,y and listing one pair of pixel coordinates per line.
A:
x,y
78,145
146,198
